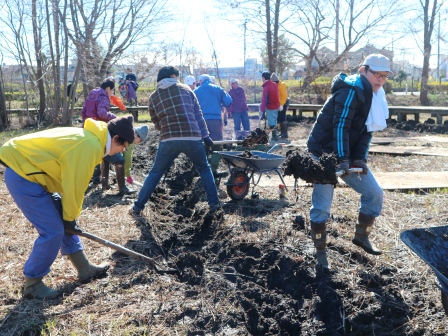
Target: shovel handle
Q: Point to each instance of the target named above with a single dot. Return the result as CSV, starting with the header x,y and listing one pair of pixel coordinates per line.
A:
x,y
117,247
352,170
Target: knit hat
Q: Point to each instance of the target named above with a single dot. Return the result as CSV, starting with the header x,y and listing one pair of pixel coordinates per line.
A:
x,y
142,132
190,80
377,62
123,127
274,77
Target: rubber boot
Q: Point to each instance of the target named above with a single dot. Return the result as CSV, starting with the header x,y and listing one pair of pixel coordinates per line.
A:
x,y
319,237
274,133
86,270
284,130
363,228
96,178
105,167
34,288
119,170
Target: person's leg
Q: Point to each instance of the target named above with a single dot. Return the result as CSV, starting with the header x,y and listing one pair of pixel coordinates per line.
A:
x,y
166,153
195,151
321,200
236,121
214,127
370,208
245,120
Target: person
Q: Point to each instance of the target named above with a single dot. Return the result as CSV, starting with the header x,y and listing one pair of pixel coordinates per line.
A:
x,y
122,87
131,79
70,94
239,109
141,133
344,127
47,174
97,107
190,81
212,98
270,102
175,112
282,124
109,76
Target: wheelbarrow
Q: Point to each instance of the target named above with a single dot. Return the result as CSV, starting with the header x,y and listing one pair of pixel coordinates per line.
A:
x,y
431,245
242,169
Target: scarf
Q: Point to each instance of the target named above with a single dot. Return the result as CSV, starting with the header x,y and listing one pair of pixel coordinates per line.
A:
x,y
379,112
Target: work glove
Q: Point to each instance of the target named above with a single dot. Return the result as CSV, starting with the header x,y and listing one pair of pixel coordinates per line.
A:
x,y
344,167
281,108
208,141
360,164
71,227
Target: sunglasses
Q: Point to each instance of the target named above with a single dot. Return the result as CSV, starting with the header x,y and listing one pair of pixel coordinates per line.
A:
x,y
378,75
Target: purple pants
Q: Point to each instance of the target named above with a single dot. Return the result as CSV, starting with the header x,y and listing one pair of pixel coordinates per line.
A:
x,y
45,213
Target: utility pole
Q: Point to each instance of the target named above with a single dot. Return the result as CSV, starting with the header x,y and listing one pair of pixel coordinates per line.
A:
x,y
244,51
438,56
336,47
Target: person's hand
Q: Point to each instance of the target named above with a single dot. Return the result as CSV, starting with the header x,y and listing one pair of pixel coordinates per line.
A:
x,y
262,115
344,168
71,227
281,108
208,141
360,164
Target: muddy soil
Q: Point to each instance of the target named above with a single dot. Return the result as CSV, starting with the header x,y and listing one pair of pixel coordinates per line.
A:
x,y
274,283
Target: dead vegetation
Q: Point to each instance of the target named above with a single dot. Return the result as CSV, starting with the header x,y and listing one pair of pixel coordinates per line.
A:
x,y
245,270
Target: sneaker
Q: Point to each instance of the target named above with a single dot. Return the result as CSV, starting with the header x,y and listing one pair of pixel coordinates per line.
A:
x,y
129,180
135,213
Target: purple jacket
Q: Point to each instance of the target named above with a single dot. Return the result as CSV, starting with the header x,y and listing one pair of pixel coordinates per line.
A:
x,y
238,100
97,106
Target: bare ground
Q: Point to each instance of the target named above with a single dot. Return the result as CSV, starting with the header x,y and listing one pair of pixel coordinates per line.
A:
x,y
245,270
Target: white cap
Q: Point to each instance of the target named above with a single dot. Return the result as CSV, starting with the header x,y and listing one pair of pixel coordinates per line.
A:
x,y
233,80
190,80
377,62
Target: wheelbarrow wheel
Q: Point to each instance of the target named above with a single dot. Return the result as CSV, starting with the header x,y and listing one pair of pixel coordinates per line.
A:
x,y
238,187
445,302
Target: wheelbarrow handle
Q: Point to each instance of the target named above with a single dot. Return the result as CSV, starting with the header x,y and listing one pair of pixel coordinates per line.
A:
x,y
227,142
117,247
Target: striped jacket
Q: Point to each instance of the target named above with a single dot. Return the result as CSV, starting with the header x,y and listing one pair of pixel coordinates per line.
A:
x,y
340,126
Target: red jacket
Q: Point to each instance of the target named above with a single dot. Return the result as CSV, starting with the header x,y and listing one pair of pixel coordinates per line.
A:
x,y
270,99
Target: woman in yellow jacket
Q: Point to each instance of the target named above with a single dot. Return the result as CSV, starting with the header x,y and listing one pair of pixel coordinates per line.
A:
x,y
284,104
47,174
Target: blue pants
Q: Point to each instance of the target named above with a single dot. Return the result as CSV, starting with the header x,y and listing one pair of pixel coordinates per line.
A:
x,y
166,153
45,213
271,116
214,127
366,185
241,118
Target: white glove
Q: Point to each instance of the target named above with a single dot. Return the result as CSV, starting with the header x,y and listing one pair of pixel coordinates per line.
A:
x,y
281,108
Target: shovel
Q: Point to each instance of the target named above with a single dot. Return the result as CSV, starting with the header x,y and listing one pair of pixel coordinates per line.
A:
x,y
126,251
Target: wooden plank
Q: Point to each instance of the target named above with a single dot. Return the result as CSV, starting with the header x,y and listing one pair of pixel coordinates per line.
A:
x,y
387,181
426,138
409,150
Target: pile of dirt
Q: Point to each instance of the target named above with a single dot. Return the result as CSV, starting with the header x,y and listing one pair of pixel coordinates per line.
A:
x,y
258,136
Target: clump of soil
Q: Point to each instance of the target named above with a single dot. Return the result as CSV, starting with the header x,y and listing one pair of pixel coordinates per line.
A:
x,y
429,126
257,137
248,155
301,164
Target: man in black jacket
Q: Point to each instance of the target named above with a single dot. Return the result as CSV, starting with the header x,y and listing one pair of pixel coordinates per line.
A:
x,y
344,127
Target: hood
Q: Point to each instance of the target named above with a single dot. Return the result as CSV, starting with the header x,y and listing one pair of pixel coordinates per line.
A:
x,y
166,83
97,128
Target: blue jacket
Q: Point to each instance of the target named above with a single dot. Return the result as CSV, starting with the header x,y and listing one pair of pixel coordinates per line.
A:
x,y
211,99
340,127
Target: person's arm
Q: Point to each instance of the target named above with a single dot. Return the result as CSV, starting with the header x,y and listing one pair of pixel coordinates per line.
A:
x,y
283,95
346,106
103,109
226,100
128,159
199,116
264,98
154,117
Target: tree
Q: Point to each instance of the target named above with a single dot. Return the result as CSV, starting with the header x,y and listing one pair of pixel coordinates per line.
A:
x,y
286,55
315,23
401,76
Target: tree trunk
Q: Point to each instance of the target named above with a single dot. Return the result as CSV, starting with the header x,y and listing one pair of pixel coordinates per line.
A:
x,y
38,53
3,117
